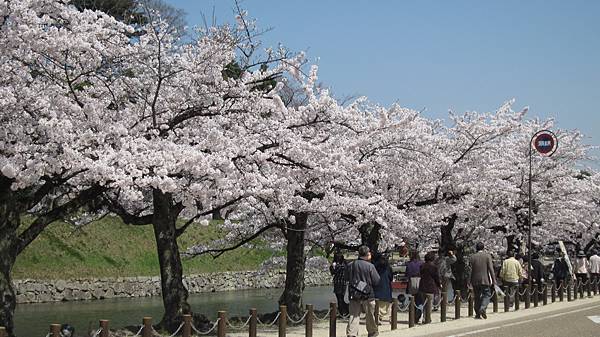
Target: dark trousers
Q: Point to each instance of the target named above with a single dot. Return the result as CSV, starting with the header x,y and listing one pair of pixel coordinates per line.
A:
x,y
511,289
483,295
581,277
342,306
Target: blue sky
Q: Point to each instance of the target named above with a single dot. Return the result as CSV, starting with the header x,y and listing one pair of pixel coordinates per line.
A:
x,y
443,55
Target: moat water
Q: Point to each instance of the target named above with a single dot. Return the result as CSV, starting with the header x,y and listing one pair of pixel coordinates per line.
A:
x,y
33,320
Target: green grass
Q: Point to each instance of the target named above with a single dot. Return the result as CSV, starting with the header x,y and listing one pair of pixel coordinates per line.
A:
x,y
110,248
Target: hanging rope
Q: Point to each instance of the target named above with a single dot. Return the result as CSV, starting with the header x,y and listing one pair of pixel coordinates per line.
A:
x,y
298,321
139,331
421,306
209,330
401,309
97,333
270,324
239,327
453,299
324,317
176,332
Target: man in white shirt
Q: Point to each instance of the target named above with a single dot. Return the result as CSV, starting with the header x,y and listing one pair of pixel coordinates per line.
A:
x,y
594,267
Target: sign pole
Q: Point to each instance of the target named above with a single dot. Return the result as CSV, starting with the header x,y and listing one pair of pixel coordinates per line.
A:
x,y
529,213
545,143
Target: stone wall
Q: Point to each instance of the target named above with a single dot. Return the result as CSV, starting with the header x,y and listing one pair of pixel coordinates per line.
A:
x,y
35,291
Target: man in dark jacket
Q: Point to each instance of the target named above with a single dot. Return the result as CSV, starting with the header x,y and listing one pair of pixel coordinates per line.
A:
x,y
482,278
362,279
537,271
560,269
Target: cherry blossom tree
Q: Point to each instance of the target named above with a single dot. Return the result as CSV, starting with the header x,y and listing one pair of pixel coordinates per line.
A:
x,y
52,133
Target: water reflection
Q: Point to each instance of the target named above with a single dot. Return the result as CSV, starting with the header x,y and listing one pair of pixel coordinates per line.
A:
x,y
32,320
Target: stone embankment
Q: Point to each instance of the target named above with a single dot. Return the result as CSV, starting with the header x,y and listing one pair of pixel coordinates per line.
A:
x,y
36,291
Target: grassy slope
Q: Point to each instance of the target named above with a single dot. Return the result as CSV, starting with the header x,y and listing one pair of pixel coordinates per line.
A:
x,y
109,248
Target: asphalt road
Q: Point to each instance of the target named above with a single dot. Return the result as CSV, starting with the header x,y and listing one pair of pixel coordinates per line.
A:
x,y
572,322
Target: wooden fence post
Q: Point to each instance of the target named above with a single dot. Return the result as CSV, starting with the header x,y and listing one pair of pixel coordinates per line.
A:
x,y
443,305
545,294
457,300
569,295
308,332
506,299
428,306
104,327
147,331
332,318
575,290
517,299
222,325
376,313
394,314
253,323
536,290
561,292
55,330
470,300
411,312
527,297
495,301
282,320
588,287
187,326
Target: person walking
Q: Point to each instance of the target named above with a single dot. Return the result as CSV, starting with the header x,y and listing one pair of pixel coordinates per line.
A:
x,y
430,283
594,267
581,267
383,291
537,271
338,270
560,269
511,273
413,272
444,263
482,278
362,279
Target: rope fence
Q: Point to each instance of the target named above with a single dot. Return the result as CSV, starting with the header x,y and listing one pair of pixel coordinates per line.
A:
x,y
540,293
272,323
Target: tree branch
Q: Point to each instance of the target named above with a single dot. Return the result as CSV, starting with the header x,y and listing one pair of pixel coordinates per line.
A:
x,y
216,252
42,221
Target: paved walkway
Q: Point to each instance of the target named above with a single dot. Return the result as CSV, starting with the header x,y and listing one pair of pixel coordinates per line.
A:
x,y
321,329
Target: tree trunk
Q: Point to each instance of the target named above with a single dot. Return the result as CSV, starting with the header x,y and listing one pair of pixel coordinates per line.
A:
x,y
370,235
447,241
296,261
9,222
174,293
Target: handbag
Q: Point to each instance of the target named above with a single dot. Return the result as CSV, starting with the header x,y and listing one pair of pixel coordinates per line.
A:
x,y
360,290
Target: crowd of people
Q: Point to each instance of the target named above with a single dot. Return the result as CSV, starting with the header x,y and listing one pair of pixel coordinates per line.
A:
x,y
365,285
